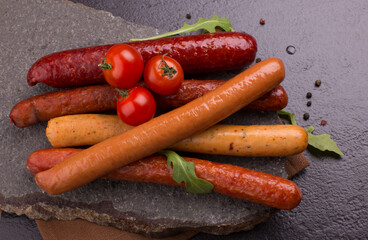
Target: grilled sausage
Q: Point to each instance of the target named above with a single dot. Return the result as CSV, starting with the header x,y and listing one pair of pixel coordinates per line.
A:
x,y
196,54
164,130
248,184
99,98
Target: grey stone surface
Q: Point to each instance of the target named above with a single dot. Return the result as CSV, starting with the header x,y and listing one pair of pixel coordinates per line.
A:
x,y
32,29
330,38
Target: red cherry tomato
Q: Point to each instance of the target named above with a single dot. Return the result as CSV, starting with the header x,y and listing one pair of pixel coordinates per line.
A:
x,y
163,75
123,66
136,108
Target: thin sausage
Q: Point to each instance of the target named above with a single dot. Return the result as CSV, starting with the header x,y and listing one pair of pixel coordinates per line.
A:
x,y
100,98
248,184
196,54
164,130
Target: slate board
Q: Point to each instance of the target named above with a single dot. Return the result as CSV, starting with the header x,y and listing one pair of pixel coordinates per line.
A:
x,y
33,29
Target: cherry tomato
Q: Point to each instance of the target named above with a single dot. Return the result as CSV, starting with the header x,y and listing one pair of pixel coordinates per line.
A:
x,y
137,107
123,66
163,75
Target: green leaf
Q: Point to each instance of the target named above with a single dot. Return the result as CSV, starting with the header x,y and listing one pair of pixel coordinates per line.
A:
x,y
322,142
289,115
206,24
183,171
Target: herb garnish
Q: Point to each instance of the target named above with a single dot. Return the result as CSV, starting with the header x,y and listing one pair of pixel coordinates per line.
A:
x,y
206,24
322,142
183,171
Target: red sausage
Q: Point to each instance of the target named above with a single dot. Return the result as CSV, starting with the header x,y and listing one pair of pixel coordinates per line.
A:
x,y
67,102
99,98
234,181
196,54
274,100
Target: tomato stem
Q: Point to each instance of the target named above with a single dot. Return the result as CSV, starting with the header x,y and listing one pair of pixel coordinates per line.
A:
x,y
104,65
169,71
123,93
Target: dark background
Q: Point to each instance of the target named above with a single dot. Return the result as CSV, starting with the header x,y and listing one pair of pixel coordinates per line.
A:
x,y
330,38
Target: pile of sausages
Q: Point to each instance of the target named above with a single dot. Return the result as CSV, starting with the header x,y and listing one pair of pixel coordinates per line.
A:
x,y
198,105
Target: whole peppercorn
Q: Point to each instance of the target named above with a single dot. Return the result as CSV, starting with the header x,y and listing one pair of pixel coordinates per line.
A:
x,y
309,103
309,94
188,16
258,60
262,21
306,116
318,83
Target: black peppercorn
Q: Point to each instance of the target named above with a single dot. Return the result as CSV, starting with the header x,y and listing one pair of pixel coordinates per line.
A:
x,y
309,94
258,60
306,116
318,83
188,16
309,103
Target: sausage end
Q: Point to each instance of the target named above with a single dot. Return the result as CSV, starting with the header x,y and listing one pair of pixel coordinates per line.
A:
x,y
295,198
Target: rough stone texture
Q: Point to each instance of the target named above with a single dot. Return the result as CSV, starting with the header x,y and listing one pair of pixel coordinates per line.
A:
x,y
330,38
32,29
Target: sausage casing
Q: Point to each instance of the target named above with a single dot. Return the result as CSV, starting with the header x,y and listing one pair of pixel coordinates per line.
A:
x,y
195,53
234,181
98,98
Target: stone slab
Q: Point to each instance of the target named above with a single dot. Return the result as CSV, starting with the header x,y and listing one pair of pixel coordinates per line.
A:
x,y
32,29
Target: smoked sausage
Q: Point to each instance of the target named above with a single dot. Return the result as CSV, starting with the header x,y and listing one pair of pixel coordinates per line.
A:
x,y
98,98
164,130
195,53
248,185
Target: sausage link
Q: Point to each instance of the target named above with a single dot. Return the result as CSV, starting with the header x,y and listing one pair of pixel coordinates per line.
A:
x,y
164,130
100,98
274,100
67,102
196,54
220,139
233,181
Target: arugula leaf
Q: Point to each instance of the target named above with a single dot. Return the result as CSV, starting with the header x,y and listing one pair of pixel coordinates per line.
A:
x,y
291,116
322,142
183,171
206,24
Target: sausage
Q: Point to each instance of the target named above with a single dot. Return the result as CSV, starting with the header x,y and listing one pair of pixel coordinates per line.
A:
x,y
249,185
67,102
196,54
220,139
164,130
274,100
99,98
253,141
